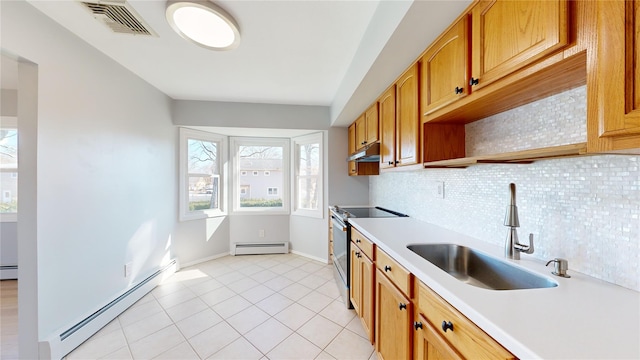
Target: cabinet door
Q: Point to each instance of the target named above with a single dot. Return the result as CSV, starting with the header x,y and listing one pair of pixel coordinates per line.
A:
x,y
509,34
387,112
445,68
361,132
355,289
367,298
392,321
353,168
352,138
407,118
429,345
371,121
616,113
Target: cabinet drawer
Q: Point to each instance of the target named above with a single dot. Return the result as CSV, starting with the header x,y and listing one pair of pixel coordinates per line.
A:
x,y
363,243
400,276
469,340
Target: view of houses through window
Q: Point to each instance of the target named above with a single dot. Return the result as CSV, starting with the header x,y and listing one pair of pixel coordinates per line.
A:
x,y
8,170
265,163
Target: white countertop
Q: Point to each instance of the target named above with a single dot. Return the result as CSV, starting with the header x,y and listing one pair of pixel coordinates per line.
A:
x,y
581,318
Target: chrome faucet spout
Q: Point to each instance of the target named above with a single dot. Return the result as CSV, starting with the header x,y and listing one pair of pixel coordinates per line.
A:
x,y
512,247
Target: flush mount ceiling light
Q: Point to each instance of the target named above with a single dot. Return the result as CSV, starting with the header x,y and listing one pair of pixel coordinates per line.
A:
x,y
203,23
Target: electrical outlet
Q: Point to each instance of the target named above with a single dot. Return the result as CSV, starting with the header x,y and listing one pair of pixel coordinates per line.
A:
x,y
127,269
438,189
261,233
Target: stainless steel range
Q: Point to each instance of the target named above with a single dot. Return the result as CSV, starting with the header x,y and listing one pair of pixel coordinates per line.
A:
x,y
342,241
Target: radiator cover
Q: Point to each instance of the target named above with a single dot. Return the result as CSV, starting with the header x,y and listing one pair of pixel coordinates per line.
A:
x,y
245,248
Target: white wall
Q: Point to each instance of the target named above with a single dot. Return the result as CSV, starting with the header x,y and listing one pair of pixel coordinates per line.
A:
x,y
106,171
584,209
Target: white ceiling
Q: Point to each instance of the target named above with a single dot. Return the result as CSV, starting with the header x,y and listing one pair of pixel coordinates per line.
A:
x,y
292,52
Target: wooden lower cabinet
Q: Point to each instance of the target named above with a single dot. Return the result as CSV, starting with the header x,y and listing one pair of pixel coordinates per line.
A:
x,y
429,345
393,321
367,305
362,287
460,334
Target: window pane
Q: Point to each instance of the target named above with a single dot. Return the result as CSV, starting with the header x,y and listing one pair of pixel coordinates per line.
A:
x,y
308,159
9,179
9,193
308,193
203,175
261,190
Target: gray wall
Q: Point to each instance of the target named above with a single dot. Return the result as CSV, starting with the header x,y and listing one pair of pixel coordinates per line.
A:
x,y
106,171
584,209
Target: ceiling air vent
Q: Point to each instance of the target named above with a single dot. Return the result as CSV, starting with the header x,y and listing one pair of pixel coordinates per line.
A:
x,y
119,16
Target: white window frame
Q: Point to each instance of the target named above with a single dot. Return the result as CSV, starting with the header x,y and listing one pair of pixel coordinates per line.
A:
x,y
184,213
10,122
235,143
305,140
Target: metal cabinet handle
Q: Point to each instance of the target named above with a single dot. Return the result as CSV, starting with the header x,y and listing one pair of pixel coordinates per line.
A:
x,y
473,81
390,163
447,325
402,306
358,241
417,325
387,268
459,90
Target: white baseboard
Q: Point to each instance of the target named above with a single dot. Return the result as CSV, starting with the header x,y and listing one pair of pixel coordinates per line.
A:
x,y
324,261
200,261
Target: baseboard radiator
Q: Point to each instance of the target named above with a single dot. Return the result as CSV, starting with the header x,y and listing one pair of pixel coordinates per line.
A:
x,y
65,340
245,248
8,272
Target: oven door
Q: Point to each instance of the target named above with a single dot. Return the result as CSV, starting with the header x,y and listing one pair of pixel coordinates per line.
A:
x,y
341,257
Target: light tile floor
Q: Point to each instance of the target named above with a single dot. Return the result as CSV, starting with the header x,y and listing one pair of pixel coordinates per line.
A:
x,y
237,307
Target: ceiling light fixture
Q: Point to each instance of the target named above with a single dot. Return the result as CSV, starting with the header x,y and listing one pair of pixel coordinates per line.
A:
x,y
203,23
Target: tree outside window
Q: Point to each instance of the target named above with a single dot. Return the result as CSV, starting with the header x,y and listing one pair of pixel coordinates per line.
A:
x,y
202,159
308,162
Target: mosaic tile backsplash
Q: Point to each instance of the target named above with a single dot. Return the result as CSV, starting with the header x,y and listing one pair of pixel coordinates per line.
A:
x,y
584,209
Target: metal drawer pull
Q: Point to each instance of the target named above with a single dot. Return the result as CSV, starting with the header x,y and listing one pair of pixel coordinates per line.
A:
x,y
447,325
417,325
387,268
402,306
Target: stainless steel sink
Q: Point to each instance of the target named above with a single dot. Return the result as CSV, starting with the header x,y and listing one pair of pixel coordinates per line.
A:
x,y
478,269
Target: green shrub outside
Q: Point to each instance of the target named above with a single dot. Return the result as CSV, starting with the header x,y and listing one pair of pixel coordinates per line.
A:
x,y
203,205
260,203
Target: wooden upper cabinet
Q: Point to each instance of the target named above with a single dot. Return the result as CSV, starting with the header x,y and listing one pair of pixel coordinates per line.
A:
x,y
352,138
445,68
614,111
371,123
361,132
367,127
387,112
408,118
510,34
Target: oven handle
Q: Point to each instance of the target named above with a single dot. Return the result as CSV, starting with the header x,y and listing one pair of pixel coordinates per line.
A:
x,y
339,223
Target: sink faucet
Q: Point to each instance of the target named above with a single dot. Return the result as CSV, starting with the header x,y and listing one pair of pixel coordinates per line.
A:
x,y
512,247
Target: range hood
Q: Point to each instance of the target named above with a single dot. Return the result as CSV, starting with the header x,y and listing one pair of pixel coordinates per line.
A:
x,y
371,153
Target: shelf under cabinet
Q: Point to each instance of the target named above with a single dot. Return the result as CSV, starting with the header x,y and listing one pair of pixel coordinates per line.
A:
x,y
516,157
